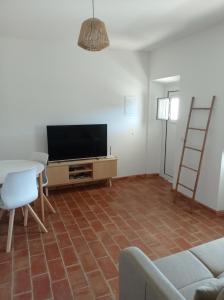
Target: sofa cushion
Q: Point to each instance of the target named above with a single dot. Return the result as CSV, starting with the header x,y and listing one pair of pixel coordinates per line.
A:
x,y
183,269
140,279
209,290
221,295
221,275
189,291
212,255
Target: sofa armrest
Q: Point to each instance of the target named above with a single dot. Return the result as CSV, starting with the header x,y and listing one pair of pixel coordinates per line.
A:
x,y
140,279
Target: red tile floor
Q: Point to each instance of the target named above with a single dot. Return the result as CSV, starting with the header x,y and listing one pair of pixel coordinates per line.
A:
x,y
78,258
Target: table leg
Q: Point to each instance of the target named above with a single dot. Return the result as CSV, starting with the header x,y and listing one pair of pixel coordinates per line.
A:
x,y
1,213
40,179
48,204
47,191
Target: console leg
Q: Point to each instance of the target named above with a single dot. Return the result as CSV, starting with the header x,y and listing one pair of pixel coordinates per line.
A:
x,y
109,181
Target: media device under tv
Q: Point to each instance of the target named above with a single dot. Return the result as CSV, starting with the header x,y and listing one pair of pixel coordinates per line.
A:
x,y
68,142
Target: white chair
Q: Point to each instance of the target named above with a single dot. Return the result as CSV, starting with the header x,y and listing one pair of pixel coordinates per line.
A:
x,y
19,190
43,159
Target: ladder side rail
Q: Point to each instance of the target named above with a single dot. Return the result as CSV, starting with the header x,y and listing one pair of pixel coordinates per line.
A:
x,y
203,149
184,144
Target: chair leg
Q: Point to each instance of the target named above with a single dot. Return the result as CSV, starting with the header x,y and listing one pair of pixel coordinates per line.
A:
x,y
10,230
34,215
25,216
49,204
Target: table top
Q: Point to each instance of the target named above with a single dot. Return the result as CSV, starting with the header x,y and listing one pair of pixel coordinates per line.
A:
x,y
9,166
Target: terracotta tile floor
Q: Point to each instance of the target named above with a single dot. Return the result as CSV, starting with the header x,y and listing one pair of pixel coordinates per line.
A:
x,y
78,258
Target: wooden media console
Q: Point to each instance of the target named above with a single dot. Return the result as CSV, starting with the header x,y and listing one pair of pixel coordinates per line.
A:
x,y
81,171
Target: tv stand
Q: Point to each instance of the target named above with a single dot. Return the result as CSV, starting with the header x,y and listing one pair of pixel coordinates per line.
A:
x,y
81,171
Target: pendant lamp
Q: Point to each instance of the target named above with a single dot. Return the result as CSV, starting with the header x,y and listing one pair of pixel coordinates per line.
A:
x,y
93,34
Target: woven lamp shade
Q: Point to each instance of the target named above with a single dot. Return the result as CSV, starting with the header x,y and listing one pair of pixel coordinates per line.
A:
x,y
93,35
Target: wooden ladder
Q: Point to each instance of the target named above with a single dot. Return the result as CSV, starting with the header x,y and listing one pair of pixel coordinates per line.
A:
x,y
201,151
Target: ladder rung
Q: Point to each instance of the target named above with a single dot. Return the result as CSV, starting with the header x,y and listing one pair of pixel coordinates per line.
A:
x,y
189,168
192,148
201,108
199,129
186,187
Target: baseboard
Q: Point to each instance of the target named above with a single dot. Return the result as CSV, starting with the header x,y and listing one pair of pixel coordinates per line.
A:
x,y
219,213
153,175
98,182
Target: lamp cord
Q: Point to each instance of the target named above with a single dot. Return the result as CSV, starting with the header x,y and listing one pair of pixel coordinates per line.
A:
x,y
93,9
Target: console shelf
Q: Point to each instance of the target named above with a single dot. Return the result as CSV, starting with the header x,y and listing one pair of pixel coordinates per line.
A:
x,y
81,171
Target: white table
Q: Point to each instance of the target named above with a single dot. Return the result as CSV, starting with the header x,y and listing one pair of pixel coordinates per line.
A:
x,y
8,166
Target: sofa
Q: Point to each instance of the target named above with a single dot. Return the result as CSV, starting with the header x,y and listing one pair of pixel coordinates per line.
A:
x,y
175,277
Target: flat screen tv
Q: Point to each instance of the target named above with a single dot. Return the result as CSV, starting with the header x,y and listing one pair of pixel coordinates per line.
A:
x,y
69,142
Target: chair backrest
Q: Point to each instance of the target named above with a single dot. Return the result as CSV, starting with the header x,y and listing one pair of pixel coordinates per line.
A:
x,y
19,189
40,157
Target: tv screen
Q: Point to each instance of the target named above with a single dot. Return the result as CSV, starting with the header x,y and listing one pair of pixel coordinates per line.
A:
x,y
76,141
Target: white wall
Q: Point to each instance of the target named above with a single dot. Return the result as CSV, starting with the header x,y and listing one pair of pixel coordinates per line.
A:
x,y
199,61
57,83
155,130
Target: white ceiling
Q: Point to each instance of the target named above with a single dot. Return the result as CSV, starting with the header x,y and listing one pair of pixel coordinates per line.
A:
x,y
132,24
